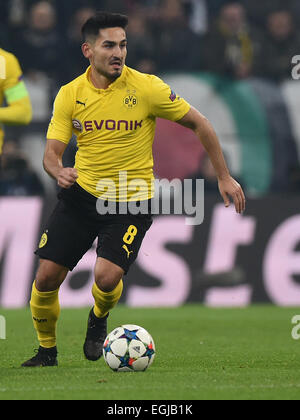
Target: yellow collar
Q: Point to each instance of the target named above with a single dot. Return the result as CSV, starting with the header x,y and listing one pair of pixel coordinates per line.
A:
x,y
112,86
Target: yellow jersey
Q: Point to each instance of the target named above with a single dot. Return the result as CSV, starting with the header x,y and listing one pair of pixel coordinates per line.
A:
x,y
115,130
13,90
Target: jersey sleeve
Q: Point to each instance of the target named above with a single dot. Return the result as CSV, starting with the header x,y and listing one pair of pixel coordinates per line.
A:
x,y
60,127
165,103
13,72
14,88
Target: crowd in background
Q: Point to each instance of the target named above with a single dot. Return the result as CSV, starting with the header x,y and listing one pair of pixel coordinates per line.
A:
x,y
236,39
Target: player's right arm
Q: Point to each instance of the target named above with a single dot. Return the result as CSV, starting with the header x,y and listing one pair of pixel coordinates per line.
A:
x,y
58,137
65,177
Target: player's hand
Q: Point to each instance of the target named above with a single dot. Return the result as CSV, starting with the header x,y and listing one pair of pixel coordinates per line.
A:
x,y
230,188
67,177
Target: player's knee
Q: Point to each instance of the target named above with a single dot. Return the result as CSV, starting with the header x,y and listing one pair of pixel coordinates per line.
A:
x,y
107,282
45,282
49,276
107,275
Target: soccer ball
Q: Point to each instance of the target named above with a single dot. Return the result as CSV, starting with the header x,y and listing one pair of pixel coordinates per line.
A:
x,y
129,348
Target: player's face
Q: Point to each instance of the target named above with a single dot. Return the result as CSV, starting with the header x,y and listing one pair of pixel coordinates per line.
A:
x,y
108,53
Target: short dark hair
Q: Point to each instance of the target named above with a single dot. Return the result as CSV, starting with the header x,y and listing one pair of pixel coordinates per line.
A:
x,y
102,20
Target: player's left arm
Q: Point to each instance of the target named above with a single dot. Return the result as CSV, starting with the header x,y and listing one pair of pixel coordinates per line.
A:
x,y
18,110
228,186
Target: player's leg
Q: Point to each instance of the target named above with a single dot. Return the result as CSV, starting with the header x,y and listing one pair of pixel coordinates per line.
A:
x,y
107,291
108,286
118,247
44,301
45,310
65,241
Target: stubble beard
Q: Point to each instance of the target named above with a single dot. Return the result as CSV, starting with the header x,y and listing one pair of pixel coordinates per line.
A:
x,y
110,76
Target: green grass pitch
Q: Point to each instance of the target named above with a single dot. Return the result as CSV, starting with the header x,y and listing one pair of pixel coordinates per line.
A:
x,y
202,354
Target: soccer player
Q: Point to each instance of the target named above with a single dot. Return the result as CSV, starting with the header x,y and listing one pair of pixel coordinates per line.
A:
x,y
112,110
12,88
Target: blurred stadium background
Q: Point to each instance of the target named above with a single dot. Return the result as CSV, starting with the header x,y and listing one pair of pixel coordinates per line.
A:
x,y
237,63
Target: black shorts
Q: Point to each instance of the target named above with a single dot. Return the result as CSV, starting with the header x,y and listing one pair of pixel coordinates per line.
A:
x,y
75,225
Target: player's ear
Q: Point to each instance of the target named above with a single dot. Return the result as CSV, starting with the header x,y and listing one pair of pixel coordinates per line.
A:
x,y
86,50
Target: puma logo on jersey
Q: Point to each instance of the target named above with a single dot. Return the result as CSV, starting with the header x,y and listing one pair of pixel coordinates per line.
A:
x,y
80,103
127,250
